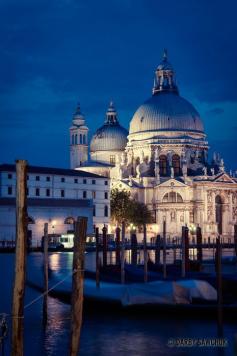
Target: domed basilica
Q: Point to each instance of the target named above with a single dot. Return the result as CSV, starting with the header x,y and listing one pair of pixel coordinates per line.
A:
x,y
162,161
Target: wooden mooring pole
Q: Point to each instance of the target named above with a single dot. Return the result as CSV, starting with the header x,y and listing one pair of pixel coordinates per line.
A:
x,y
46,274
145,253
157,250
199,244
164,250
97,261
123,254
219,288
117,244
183,251
77,284
20,260
133,249
186,255
235,239
105,247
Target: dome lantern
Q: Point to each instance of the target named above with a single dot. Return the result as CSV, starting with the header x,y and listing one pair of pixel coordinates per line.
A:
x,y
164,77
111,115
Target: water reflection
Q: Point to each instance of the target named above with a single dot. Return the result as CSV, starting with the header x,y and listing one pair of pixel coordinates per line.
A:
x,y
103,334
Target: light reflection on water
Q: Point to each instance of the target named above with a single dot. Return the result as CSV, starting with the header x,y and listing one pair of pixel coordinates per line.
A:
x,y
102,334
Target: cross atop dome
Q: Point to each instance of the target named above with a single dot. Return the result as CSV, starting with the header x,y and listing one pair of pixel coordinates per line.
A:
x,y
78,110
164,77
111,115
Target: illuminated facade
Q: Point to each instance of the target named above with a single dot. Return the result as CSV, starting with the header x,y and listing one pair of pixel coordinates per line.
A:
x,y
164,164
55,196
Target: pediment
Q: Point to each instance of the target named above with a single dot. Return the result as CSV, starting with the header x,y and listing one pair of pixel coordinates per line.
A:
x,y
172,182
224,177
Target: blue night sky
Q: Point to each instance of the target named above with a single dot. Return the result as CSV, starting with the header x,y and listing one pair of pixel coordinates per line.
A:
x,y
58,52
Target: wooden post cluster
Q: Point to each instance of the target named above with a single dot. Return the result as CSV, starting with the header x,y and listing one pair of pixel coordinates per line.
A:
x,y
77,284
20,260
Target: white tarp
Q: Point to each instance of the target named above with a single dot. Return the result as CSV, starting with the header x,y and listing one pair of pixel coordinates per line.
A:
x,y
158,292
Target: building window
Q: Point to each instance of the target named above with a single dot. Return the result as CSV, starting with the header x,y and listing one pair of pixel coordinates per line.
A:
x,y
112,159
163,165
84,194
37,192
62,193
191,217
176,164
47,179
72,139
84,139
37,178
9,190
106,210
48,192
106,182
84,181
94,210
106,195
93,181
62,179
172,197
93,194
80,138
27,191
76,139
75,180
9,176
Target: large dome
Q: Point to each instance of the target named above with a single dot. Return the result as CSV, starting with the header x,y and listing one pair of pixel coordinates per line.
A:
x,y
166,111
111,136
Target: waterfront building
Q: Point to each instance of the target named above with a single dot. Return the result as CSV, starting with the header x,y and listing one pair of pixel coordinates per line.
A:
x,y
163,161
56,196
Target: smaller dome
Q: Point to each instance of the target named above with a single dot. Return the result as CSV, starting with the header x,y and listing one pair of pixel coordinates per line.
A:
x,y
111,136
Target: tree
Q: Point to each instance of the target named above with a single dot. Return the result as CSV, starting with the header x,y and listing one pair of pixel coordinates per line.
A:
x,y
120,204
123,208
139,214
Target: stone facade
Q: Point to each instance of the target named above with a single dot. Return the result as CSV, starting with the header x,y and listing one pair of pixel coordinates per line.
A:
x,y
165,165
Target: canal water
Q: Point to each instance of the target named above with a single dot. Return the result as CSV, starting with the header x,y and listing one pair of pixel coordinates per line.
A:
x,y
103,334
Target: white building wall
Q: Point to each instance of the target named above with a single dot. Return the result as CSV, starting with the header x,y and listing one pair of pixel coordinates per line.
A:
x,y
74,187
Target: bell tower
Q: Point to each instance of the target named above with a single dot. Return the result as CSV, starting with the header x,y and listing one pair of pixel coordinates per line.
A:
x,y
78,140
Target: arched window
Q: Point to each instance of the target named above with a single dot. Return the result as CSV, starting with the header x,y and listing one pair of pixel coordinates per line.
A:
x,y
172,197
219,213
80,138
163,165
72,139
76,139
84,139
106,211
176,164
